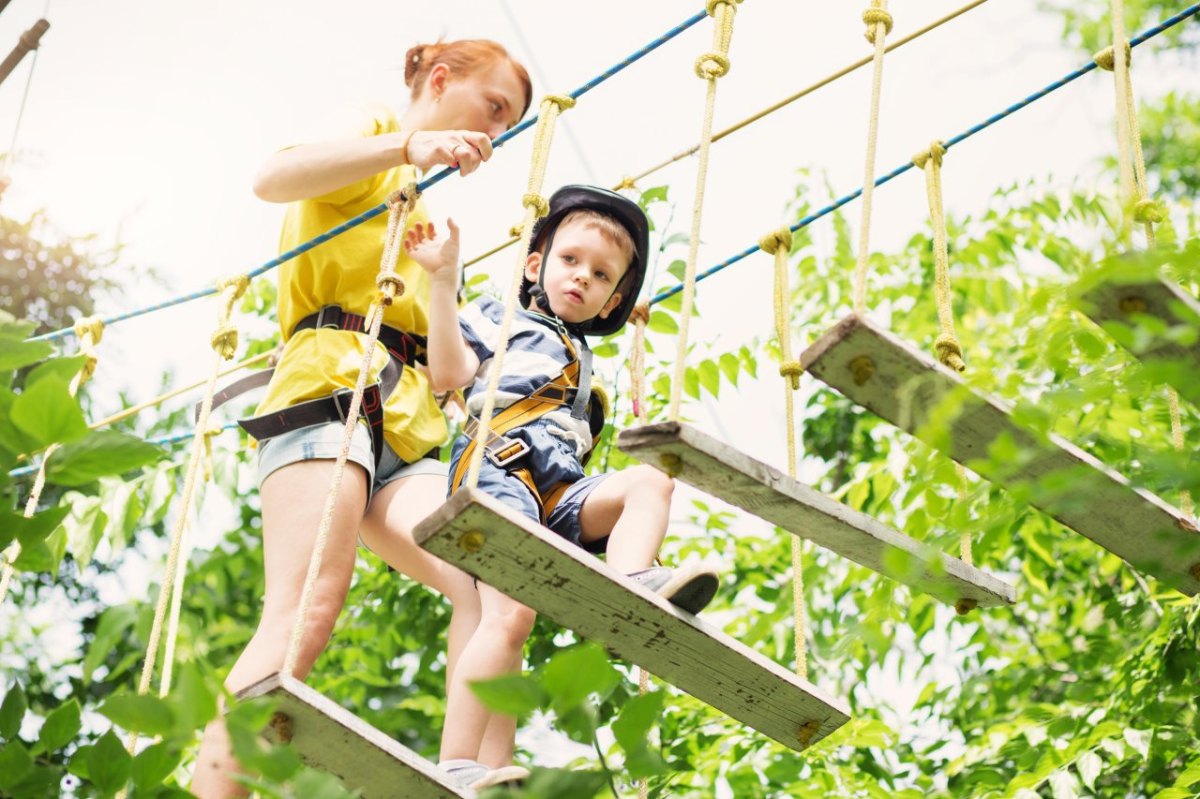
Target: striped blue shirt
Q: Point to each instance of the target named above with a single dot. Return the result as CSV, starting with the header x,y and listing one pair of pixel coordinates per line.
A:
x,y
536,353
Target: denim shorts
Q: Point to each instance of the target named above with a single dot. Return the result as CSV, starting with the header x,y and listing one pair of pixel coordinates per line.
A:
x,y
324,442
551,462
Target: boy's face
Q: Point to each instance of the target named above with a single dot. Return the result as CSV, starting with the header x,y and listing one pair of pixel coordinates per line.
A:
x,y
583,269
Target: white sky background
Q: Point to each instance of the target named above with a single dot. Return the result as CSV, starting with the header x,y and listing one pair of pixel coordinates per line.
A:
x,y
147,120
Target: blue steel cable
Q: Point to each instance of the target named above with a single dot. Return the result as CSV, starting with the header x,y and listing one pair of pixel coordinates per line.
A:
x,y
900,170
160,441
499,141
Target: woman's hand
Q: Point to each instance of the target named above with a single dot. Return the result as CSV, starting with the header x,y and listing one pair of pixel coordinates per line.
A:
x,y
466,149
437,255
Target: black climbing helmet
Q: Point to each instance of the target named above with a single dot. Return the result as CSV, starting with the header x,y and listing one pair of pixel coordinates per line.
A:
x,y
629,214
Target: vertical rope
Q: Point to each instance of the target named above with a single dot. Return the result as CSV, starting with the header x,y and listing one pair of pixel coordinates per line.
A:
x,y
710,66
879,25
1124,131
779,244
224,343
637,362
390,286
88,330
535,207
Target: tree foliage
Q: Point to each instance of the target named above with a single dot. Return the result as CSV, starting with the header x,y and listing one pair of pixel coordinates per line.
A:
x,y
1085,688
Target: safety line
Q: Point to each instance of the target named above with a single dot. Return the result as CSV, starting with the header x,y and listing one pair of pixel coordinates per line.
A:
x,y
1012,109
499,141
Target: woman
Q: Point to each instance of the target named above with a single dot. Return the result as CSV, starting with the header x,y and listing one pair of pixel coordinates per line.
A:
x,y
464,94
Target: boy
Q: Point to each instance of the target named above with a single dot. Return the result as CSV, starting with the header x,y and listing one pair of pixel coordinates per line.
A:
x,y
583,273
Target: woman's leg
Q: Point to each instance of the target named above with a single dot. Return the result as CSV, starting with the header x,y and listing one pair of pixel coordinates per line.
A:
x,y
494,650
293,501
387,530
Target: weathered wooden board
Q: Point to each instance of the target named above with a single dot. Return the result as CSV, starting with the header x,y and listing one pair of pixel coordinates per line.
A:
x,y
575,589
732,476
1109,303
330,738
919,395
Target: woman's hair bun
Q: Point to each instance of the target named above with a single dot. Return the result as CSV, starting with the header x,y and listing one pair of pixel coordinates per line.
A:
x,y
412,63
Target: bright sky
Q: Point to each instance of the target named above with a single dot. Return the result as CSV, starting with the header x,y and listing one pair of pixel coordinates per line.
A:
x,y
146,121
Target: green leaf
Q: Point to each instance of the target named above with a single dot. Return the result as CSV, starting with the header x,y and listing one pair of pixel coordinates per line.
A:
x,y
101,453
656,194
48,414
1139,740
193,703
108,764
16,353
677,270
32,530
571,675
1089,764
62,368
15,764
606,350
60,727
662,322
636,719
84,527
45,555
111,629
138,713
512,694
154,764
11,712
730,366
710,377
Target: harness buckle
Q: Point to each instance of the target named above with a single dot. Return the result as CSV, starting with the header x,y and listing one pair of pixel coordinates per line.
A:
x,y
336,324
512,450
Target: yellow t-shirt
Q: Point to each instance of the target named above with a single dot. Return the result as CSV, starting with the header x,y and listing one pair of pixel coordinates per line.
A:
x,y
342,272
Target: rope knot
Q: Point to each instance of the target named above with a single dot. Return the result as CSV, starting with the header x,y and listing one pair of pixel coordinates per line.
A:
x,y
537,202
564,102
390,286
711,66
792,371
239,284
626,183
714,5
640,313
936,152
405,196
776,239
875,16
949,352
91,327
1106,59
1149,211
225,341
516,230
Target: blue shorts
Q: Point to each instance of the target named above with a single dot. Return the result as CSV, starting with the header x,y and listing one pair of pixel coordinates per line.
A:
x,y
324,442
551,461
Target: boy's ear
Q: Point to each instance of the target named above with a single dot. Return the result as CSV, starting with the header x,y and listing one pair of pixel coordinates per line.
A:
x,y
533,265
611,305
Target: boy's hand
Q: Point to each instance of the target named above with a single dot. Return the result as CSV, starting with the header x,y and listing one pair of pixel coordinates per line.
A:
x,y
437,255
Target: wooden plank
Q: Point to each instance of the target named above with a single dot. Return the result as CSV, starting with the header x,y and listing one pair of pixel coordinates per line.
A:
x,y
577,590
917,394
1112,303
330,738
732,476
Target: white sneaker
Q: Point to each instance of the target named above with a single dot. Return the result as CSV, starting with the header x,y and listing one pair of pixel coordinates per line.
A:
x,y
476,776
689,587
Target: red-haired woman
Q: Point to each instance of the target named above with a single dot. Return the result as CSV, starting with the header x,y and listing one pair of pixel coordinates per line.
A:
x,y
464,94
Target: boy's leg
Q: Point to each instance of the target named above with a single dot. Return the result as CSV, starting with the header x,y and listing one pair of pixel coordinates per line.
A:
x,y
494,648
631,507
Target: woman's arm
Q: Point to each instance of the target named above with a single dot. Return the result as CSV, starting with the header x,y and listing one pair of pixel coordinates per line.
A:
x,y
311,170
452,363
